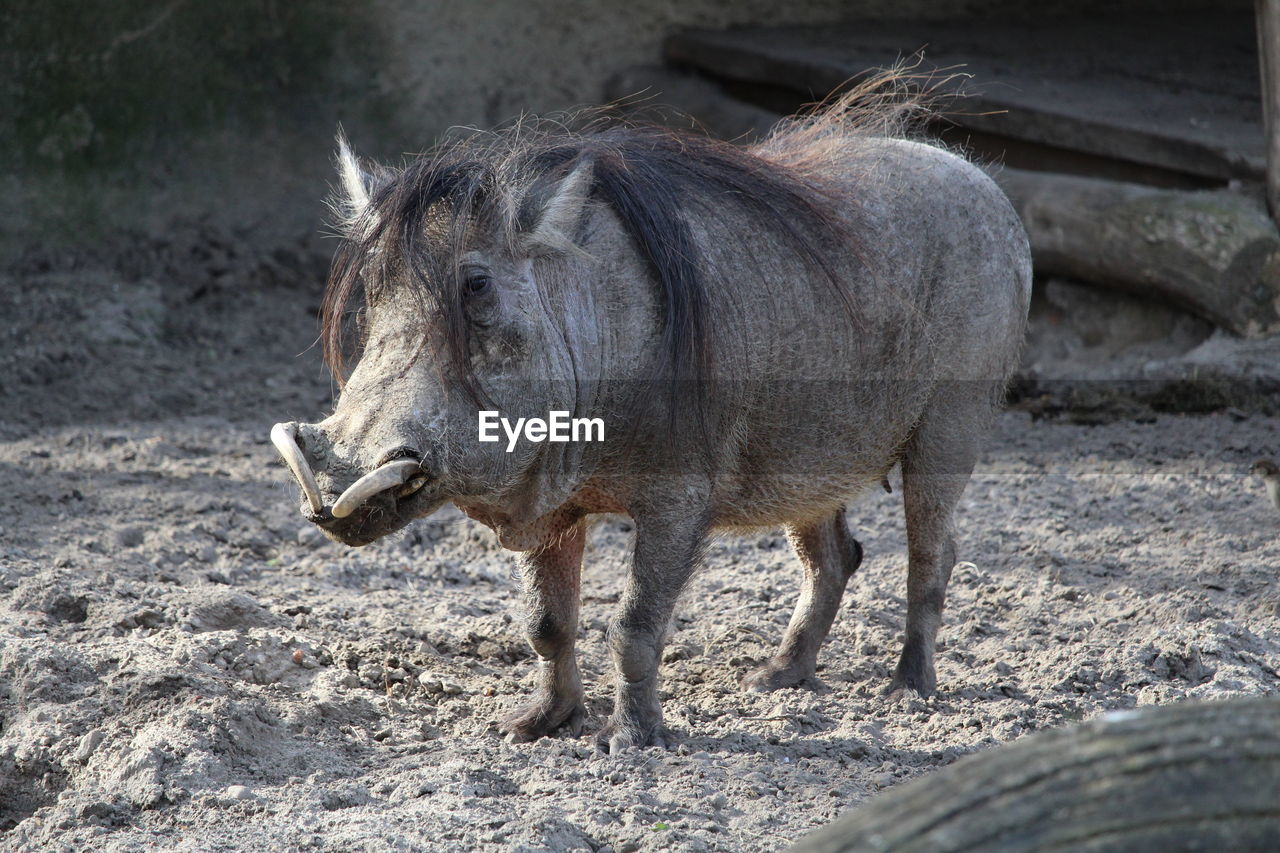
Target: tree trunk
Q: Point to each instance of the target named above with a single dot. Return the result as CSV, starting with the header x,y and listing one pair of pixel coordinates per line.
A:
x,y
1214,253
1193,776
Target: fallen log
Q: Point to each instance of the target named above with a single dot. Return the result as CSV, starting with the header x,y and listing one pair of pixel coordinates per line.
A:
x,y
1213,253
1192,776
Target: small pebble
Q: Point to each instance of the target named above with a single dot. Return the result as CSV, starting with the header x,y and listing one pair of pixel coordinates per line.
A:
x,y
309,536
240,792
129,537
88,744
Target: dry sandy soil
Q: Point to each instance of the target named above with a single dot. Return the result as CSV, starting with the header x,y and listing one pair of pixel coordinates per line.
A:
x,y
184,664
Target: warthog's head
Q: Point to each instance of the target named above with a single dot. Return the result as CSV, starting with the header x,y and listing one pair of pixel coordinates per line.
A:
x,y
473,293
530,271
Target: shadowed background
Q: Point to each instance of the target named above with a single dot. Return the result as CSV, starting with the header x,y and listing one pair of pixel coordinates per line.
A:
x,y
127,115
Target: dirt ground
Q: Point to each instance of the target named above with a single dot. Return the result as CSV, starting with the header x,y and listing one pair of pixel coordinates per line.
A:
x,y
185,664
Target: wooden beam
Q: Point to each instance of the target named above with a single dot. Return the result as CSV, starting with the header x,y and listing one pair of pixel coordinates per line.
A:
x,y
1214,253
1268,24
1233,290
1171,91
659,94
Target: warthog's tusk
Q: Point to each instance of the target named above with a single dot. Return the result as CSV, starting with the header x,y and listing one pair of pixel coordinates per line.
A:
x,y
285,439
375,482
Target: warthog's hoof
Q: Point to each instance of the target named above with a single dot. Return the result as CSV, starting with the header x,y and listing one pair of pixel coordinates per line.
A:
x,y
917,679
616,737
542,717
905,695
776,675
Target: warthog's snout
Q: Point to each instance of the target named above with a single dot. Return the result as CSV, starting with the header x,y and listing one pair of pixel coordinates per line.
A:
x,y
402,475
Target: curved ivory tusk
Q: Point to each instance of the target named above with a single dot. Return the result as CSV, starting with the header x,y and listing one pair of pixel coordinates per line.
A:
x,y
378,480
285,439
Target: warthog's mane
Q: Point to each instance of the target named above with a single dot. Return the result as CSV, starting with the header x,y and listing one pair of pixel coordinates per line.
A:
x,y
655,180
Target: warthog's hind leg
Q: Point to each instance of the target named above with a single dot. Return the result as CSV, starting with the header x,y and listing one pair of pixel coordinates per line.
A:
x,y
935,469
829,556
551,577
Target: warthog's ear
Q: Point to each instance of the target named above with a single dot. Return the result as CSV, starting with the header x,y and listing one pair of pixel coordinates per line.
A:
x,y
556,213
357,184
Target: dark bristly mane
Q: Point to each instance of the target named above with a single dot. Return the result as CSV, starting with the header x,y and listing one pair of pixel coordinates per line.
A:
x,y
655,180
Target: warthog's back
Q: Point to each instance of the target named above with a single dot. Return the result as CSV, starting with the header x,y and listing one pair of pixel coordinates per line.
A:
x,y
939,279
936,253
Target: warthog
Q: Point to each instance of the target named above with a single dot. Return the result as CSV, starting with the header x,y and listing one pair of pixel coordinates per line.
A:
x,y
765,332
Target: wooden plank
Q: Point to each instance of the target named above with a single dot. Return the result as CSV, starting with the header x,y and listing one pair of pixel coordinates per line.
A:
x,y
1174,92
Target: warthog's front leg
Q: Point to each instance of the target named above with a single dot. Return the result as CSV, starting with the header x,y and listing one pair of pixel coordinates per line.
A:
x,y
551,578
666,551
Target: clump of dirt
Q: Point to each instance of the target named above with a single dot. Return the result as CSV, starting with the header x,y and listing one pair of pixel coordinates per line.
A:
x,y
184,661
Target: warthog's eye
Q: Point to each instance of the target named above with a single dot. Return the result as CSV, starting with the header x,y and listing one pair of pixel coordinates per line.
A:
x,y
479,297
361,322
477,284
